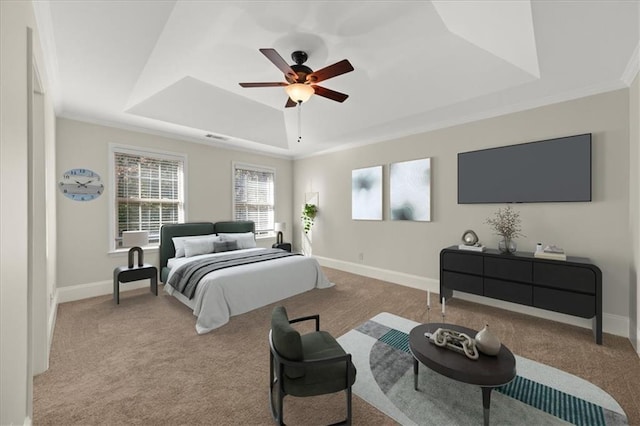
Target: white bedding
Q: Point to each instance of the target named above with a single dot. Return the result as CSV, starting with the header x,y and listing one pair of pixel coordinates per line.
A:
x,y
234,291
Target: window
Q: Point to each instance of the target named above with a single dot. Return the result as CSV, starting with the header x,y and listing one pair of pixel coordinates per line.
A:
x,y
148,192
254,189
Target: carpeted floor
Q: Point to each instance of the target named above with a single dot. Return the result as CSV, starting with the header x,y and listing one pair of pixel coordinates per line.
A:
x,y
142,362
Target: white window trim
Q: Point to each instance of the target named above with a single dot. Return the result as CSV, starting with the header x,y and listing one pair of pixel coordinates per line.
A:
x,y
257,168
142,151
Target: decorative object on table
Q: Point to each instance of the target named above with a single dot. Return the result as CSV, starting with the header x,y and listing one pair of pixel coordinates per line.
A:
x,y
506,223
539,247
469,238
410,190
472,248
280,227
366,193
454,340
81,185
487,342
444,301
428,304
470,241
309,212
551,252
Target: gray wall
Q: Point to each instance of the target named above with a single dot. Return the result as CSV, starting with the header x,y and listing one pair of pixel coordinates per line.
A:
x,y
598,229
83,227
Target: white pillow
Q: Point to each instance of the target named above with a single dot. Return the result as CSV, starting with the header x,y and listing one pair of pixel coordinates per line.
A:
x,y
199,246
178,242
245,240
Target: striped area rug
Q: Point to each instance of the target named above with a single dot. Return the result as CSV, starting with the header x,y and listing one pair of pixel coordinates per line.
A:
x,y
539,394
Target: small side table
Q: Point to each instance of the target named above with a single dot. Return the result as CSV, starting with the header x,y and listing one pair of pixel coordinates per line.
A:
x,y
283,246
141,271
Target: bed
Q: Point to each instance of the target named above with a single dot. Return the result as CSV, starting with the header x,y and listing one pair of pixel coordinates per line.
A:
x,y
232,290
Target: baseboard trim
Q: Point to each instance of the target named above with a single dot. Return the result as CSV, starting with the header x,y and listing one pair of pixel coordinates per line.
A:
x,y
614,324
407,280
85,291
52,320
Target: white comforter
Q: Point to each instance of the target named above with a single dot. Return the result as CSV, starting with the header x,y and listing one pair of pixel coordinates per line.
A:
x,y
234,291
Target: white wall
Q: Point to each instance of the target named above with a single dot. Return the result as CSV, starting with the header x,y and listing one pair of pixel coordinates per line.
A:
x,y
634,212
16,184
598,229
83,227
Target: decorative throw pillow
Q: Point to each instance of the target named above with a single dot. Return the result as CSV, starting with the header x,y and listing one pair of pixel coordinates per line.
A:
x,y
178,242
220,246
198,246
245,239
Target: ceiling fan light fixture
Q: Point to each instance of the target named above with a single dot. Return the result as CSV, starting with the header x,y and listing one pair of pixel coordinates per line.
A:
x,y
299,92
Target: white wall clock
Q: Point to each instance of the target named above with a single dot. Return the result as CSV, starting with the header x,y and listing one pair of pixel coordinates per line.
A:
x,y
81,184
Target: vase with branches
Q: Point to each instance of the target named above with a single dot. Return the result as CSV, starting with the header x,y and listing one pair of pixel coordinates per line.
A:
x,y
506,223
309,212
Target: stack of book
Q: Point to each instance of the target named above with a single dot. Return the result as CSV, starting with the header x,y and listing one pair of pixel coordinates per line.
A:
x,y
551,252
472,248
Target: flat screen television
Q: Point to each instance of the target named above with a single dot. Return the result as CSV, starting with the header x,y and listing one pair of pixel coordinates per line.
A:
x,y
554,170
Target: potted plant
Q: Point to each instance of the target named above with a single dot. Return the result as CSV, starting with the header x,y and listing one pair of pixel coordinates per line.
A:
x,y
506,223
309,212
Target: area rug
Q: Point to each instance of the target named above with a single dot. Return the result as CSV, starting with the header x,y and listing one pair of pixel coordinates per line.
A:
x,y
539,395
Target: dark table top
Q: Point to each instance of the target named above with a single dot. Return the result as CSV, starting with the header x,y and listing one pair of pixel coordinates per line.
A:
x,y
489,371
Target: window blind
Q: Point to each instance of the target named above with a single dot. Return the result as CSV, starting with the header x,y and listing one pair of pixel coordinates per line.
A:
x,y
148,193
254,190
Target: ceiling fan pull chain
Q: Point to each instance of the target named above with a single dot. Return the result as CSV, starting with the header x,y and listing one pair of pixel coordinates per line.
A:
x,y
299,121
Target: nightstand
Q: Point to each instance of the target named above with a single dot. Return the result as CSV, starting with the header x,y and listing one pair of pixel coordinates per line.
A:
x,y
283,246
141,271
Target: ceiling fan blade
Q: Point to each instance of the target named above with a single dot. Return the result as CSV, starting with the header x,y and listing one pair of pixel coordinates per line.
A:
x,y
290,103
263,84
277,60
330,94
342,67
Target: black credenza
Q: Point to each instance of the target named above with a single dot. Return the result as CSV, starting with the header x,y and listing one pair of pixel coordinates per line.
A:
x,y
572,287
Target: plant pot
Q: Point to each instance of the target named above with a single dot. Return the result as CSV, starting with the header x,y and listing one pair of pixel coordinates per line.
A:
x,y
507,246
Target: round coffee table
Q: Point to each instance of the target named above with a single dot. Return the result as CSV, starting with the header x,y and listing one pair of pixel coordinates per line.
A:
x,y
488,372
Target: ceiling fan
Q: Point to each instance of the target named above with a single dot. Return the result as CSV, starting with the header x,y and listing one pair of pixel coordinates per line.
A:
x,y
301,80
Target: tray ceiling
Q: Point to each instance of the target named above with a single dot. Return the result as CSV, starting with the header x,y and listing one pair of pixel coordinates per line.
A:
x,y
173,67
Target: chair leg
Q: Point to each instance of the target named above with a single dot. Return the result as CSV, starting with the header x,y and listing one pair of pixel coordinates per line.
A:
x,y
275,385
349,405
281,405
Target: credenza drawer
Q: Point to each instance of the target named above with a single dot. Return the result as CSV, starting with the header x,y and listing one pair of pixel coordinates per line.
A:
x,y
461,262
462,282
510,269
509,291
581,305
565,277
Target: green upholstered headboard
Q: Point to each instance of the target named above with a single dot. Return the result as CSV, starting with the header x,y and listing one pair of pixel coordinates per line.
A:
x,y
167,232
235,227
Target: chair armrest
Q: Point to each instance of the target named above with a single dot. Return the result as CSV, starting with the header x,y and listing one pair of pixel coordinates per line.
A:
x,y
310,317
321,361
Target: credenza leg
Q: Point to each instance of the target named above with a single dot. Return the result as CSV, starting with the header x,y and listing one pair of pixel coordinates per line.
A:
x,y
596,326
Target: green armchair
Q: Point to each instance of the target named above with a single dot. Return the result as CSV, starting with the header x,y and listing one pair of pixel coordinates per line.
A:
x,y
305,365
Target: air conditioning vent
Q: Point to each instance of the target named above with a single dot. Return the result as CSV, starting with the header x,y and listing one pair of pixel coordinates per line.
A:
x,y
216,137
